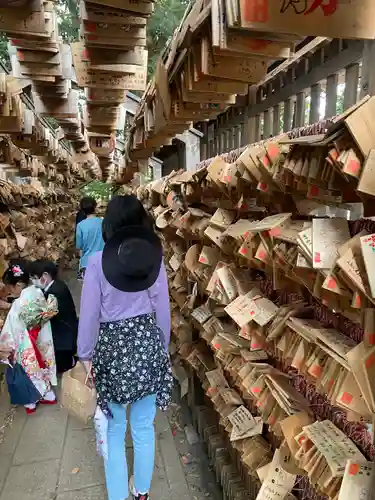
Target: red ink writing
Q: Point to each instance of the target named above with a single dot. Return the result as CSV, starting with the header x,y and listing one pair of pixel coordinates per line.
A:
x,y
328,7
256,11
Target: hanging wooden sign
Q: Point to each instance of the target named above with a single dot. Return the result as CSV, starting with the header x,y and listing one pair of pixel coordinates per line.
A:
x,y
100,14
330,18
240,70
138,6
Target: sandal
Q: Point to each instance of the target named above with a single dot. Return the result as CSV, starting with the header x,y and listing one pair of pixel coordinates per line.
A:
x,y
46,402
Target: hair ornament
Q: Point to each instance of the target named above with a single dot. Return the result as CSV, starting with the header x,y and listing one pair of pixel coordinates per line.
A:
x,y
17,271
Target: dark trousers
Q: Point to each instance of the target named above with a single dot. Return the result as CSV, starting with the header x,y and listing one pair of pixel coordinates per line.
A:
x,y
65,361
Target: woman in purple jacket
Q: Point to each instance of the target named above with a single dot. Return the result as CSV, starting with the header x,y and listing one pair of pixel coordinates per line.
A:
x,y
124,330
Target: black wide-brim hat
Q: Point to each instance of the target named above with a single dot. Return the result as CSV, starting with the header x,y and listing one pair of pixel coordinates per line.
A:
x,y
132,259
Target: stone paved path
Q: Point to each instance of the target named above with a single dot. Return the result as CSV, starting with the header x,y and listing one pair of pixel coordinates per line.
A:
x,y
51,455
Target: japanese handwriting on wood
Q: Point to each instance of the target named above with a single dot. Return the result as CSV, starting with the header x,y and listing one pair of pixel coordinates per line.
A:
x,y
328,7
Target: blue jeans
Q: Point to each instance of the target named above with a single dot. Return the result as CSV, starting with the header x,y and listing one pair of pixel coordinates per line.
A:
x,y
142,416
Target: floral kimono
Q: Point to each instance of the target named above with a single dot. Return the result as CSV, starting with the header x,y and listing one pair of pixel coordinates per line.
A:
x,y
27,332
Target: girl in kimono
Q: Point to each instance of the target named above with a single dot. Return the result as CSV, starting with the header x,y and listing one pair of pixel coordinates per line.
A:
x,y
26,336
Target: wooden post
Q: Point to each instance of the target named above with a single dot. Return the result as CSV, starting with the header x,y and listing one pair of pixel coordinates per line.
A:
x,y
192,151
204,141
267,124
368,69
223,136
236,136
213,141
210,140
239,126
288,115
242,134
225,132
216,139
276,125
231,138
331,95
225,142
249,131
299,112
250,123
314,103
257,129
351,85
231,118
220,134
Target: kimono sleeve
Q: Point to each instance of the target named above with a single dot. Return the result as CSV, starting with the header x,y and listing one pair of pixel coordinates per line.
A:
x,y
52,306
10,331
33,309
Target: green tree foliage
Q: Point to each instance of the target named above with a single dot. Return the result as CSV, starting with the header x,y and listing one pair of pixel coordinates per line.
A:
x,y
98,190
340,100
165,19
4,55
67,12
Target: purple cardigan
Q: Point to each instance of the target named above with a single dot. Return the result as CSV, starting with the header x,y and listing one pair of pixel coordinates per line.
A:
x,y
101,303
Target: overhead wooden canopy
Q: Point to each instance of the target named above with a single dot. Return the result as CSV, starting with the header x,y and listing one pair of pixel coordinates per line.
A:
x,y
223,46
109,59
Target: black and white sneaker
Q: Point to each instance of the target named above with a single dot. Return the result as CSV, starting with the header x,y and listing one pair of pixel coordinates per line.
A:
x,y
135,495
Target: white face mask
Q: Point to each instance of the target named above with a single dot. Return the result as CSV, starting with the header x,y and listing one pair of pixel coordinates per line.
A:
x,y
39,283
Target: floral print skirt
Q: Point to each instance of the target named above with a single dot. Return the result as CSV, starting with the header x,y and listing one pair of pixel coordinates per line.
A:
x,y
81,274
130,362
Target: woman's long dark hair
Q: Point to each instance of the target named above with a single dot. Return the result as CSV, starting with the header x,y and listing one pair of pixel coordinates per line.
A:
x,y
123,211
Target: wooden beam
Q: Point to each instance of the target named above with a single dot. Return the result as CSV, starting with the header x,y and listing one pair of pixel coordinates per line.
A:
x,y
348,56
284,66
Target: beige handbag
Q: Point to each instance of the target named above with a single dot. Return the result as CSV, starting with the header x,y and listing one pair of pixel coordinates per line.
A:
x,y
78,393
